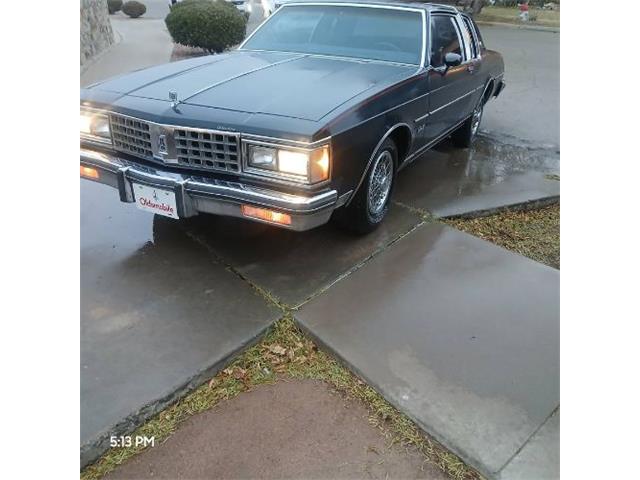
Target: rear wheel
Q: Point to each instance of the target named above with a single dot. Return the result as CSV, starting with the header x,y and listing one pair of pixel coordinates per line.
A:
x,y
371,202
465,134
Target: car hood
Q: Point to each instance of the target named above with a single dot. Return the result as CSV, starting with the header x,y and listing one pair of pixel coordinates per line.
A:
x,y
283,84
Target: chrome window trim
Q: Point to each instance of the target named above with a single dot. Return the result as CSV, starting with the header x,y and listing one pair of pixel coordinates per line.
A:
x,y
421,11
468,56
455,18
279,177
466,22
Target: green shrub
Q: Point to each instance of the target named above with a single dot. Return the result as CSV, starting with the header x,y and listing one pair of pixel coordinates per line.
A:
x,y
214,25
134,9
114,6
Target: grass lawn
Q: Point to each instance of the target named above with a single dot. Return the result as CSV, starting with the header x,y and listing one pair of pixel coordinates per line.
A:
x,y
534,234
546,18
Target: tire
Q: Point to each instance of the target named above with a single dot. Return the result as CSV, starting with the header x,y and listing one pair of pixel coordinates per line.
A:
x,y
371,202
466,133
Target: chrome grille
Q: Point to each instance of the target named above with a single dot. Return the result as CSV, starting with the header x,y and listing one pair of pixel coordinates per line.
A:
x,y
207,150
131,136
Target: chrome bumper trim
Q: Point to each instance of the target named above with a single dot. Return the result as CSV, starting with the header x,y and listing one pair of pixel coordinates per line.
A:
x,y
196,194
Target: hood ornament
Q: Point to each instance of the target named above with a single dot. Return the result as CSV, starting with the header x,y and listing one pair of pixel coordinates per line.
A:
x,y
173,96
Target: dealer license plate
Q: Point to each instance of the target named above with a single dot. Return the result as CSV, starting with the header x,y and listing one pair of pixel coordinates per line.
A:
x,y
155,200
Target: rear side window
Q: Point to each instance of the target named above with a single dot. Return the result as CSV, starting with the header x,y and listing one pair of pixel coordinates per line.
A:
x,y
444,39
469,30
474,26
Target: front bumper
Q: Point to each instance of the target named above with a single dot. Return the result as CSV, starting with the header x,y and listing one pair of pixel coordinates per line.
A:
x,y
206,195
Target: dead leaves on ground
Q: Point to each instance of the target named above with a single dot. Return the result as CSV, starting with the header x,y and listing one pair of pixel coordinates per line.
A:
x,y
277,349
276,356
281,357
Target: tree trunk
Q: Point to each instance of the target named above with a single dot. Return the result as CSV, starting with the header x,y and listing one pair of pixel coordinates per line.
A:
x,y
476,7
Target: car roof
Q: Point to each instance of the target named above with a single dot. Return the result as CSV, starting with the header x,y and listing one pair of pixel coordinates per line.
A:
x,y
393,3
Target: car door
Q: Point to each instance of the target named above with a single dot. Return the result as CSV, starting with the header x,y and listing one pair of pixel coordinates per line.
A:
x,y
449,88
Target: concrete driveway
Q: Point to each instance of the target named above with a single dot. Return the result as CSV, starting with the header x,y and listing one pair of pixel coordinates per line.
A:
x,y
165,303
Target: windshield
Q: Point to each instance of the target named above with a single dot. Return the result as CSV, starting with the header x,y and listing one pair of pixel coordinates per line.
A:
x,y
345,31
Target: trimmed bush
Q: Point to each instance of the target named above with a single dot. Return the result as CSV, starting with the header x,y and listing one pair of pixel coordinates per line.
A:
x,y
134,9
213,25
114,6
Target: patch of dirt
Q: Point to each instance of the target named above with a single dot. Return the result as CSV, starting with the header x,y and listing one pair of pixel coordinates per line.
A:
x,y
534,233
290,429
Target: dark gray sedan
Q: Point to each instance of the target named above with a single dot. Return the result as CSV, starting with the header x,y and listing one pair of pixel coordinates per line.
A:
x,y
311,118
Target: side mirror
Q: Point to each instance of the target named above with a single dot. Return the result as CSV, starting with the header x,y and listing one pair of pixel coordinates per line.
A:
x,y
452,59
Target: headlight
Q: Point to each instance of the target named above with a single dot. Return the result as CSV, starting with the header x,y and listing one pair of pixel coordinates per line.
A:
x,y
94,126
301,165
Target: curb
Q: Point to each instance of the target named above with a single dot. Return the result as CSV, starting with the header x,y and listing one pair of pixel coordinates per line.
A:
x,y
524,206
92,450
539,28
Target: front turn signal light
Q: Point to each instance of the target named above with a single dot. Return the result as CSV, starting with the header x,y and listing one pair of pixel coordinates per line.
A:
x,y
266,215
88,172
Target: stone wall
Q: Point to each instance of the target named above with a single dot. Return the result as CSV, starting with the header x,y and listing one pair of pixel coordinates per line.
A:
x,y
96,33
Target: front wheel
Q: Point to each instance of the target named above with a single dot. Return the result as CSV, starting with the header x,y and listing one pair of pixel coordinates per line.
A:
x,y
465,134
371,202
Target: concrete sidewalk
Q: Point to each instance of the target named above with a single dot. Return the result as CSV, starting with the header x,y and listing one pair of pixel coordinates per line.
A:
x,y
460,335
296,429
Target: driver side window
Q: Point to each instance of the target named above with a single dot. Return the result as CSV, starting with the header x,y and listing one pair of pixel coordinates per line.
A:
x,y
444,39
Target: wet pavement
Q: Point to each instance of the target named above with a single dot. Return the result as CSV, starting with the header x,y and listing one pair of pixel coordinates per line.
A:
x,y
158,315
529,108
293,266
540,457
461,335
490,176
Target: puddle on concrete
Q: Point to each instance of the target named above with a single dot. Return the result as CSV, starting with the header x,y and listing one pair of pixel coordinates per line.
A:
x,y
448,181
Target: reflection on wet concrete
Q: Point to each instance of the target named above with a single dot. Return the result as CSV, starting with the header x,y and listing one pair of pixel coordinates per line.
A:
x,y
158,314
294,265
448,181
